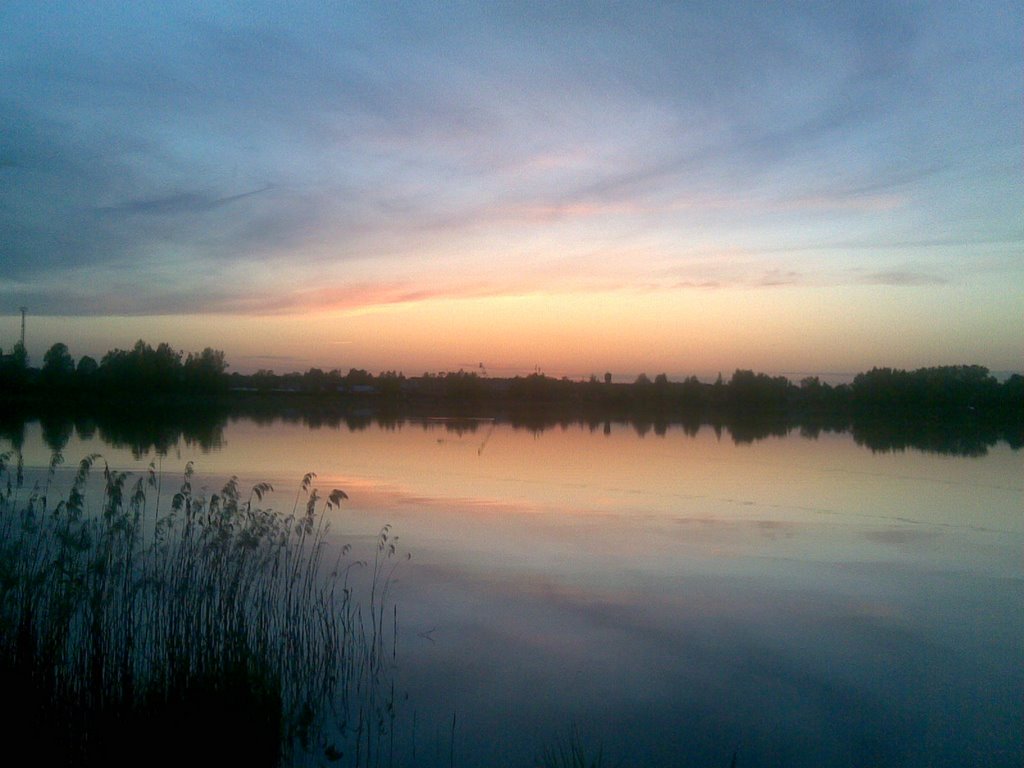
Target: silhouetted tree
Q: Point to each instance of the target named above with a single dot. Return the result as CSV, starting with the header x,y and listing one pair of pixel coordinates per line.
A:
x,y
19,355
747,388
86,370
205,372
953,389
462,386
813,393
1011,395
358,377
692,392
14,372
389,383
58,366
264,379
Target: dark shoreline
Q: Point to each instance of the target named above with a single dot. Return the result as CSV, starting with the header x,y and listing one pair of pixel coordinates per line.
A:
x,y
151,397
164,378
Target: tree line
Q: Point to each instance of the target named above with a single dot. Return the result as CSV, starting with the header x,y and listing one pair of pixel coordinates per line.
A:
x,y
955,390
141,370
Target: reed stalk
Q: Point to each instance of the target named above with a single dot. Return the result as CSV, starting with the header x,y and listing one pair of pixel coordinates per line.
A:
x,y
210,630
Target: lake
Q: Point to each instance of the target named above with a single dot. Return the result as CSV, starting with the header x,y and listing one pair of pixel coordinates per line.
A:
x,y
674,596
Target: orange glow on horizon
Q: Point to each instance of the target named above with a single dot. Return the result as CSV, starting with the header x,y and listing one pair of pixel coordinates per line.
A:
x,y
684,331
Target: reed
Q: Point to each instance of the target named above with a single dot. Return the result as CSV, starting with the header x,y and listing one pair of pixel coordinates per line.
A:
x,y
212,629
571,752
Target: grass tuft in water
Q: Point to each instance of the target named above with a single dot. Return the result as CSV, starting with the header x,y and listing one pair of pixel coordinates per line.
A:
x,y
211,630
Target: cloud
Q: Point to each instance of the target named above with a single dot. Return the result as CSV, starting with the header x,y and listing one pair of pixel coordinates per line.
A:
x,y
157,157
778,277
694,284
180,203
902,278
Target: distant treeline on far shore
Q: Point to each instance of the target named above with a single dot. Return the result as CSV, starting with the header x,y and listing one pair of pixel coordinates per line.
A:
x,y
163,372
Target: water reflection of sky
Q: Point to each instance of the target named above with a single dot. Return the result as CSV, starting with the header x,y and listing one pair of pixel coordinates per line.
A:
x,y
677,597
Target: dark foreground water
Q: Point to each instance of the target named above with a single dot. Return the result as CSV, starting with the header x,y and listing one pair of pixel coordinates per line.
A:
x,y
676,598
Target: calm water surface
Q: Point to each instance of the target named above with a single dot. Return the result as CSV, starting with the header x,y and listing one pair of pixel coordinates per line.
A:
x,y
676,597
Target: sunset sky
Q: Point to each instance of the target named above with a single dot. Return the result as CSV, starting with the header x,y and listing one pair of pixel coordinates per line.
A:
x,y
579,188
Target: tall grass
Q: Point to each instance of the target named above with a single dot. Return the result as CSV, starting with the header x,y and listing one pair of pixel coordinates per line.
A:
x,y
212,629
571,752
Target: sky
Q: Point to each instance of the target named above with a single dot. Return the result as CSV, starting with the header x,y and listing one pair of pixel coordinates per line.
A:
x,y
566,187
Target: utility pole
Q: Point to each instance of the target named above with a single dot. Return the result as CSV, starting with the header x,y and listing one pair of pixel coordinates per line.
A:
x,y
23,311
